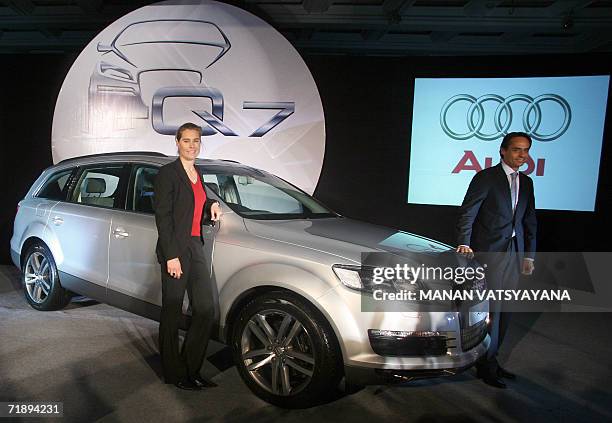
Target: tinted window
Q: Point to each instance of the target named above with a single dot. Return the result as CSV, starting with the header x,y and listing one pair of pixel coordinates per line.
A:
x,y
99,186
141,194
258,195
53,189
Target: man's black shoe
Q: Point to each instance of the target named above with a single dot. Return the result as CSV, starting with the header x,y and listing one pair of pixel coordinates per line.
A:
x,y
498,383
187,385
501,372
202,382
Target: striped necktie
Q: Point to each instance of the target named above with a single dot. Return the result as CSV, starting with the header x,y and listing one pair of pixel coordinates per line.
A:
x,y
514,189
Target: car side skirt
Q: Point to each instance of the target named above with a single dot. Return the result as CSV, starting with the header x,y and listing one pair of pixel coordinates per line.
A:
x,y
120,300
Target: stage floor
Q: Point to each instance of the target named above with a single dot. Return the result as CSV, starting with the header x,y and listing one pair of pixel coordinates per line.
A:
x,y
102,363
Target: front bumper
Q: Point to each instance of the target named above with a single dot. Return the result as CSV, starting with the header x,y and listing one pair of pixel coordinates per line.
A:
x,y
416,368
384,346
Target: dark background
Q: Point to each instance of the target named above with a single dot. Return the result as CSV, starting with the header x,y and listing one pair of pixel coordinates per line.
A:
x,y
368,117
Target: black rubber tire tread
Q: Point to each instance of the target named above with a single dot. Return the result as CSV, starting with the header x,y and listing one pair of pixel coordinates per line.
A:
x,y
58,297
328,358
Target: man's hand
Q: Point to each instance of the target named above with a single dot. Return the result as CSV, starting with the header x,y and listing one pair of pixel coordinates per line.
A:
x,y
528,267
174,268
466,250
215,212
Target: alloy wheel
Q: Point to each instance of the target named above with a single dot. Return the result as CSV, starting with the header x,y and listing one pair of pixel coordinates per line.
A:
x,y
38,277
277,352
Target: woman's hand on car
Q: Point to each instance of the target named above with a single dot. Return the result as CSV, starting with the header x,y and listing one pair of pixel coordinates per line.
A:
x,y
215,212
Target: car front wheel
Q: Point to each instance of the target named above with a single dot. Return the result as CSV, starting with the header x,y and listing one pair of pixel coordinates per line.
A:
x,y
40,280
285,351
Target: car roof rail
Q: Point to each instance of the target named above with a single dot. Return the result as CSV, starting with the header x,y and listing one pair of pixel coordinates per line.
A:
x,y
117,153
231,161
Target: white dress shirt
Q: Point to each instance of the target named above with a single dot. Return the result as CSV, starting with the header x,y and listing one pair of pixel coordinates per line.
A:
x,y
509,171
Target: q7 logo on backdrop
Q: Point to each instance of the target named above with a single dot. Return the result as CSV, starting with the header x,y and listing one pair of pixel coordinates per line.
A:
x,y
150,46
214,119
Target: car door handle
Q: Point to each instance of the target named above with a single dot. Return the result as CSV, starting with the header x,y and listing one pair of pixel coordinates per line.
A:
x,y
119,233
57,220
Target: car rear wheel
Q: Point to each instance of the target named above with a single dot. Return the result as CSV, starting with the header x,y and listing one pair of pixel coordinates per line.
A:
x,y
285,351
41,284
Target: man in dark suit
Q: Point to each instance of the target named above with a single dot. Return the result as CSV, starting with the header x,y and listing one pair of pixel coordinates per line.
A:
x,y
497,223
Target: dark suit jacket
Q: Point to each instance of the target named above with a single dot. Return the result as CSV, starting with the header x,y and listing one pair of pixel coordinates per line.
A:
x,y
174,204
486,220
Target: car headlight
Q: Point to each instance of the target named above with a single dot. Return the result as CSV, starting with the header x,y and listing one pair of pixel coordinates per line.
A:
x,y
116,72
362,278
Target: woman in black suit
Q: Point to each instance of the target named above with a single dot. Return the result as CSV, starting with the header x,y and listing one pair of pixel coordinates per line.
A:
x,y
181,205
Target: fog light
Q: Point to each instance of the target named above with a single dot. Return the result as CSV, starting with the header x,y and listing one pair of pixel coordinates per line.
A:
x,y
402,333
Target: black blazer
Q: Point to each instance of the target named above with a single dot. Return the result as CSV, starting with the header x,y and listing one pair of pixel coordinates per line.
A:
x,y
174,205
486,220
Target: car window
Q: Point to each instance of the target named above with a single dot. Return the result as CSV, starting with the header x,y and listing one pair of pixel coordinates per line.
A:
x,y
211,182
259,195
53,188
99,186
141,192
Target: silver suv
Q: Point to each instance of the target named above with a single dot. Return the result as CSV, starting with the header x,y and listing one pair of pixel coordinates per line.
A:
x,y
293,288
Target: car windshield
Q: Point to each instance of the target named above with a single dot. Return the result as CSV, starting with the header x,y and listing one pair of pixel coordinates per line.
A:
x,y
178,31
259,195
171,44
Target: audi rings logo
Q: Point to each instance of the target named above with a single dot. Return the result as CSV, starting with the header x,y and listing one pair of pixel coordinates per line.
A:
x,y
503,116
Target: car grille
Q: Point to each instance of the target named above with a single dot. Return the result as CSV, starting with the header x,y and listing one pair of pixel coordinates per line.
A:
x,y
473,335
409,344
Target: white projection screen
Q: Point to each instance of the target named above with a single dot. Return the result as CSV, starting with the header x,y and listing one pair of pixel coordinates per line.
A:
x,y
458,125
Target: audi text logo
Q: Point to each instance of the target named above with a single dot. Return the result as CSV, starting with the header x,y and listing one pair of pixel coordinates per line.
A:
x,y
502,118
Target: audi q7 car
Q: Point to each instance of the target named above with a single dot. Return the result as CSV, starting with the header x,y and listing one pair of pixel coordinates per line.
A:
x,y
289,274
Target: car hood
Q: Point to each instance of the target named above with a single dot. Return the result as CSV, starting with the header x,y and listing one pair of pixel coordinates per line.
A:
x,y
343,237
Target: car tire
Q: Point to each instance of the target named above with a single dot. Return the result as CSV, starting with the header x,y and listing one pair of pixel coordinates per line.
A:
x,y
40,279
280,332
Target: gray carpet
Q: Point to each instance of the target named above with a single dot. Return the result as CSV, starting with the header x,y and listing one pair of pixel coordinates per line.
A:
x,y
102,363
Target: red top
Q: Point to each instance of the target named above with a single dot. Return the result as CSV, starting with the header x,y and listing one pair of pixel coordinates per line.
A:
x,y
199,196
